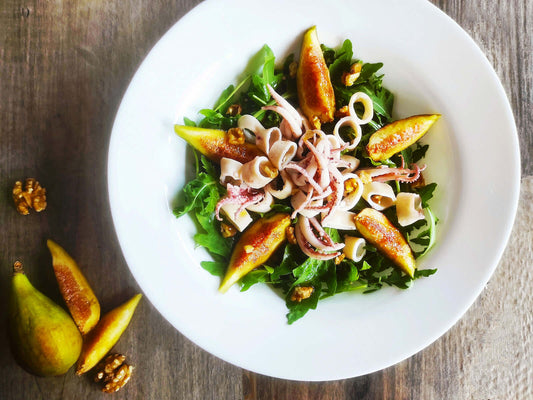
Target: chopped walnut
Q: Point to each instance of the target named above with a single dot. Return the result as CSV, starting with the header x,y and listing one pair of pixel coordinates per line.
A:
x,y
33,196
344,111
290,235
235,136
268,169
349,78
301,293
350,185
113,372
315,122
234,110
227,230
339,259
293,67
365,177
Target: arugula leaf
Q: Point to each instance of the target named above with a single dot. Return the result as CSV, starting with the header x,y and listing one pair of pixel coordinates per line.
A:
x,y
212,239
216,268
342,61
309,270
200,197
426,193
253,277
424,272
298,309
201,193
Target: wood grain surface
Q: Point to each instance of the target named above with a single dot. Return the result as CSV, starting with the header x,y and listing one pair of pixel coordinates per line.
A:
x,y
64,66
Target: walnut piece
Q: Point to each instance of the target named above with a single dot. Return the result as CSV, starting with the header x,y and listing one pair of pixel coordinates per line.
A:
x,y
113,372
33,196
290,235
293,67
301,293
349,78
339,258
344,111
235,136
350,185
234,110
227,230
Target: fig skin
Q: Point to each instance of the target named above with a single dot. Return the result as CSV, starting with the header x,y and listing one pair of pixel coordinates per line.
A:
x,y
44,338
255,247
76,291
106,334
375,227
315,91
399,135
213,144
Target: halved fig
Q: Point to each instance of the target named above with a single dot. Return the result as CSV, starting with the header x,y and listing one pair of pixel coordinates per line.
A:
x,y
398,135
255,247
78,294
216,144
315,92
106,334
375,227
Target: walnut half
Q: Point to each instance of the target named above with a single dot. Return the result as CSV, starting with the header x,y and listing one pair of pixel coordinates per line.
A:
x,y
113,372
32,196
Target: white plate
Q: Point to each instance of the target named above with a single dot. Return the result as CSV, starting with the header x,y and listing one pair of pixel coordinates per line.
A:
x,y
431,65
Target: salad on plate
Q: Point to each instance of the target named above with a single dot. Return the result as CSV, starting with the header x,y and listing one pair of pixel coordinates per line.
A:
x,y
304,181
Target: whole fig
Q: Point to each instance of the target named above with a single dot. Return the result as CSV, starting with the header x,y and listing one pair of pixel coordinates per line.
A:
x,y
44,338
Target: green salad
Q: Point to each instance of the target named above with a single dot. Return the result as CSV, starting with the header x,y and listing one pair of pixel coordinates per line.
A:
x,y
304,181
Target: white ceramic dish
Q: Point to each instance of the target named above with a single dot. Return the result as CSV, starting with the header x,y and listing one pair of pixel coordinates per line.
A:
x,y
431,65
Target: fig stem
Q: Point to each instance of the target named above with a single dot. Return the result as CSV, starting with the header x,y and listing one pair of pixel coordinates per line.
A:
x,y
18,268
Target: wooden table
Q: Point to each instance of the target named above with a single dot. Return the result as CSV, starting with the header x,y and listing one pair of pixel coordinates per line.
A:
x,y
64,66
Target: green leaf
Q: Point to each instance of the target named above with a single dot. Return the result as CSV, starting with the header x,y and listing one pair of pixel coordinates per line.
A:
x,y
212,240
432,232
426,193
224,99
288,263
188,122
343,61
310,269
253,277
424,272
216,268
298,309
365,266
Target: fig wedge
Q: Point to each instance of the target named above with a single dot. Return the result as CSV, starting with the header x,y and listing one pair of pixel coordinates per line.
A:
x,y
315,91
106,334
255,246
375,227
398,135
216,144
79,297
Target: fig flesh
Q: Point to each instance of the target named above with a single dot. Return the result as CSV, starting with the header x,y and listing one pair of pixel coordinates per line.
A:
x,y
375,227
106,334
255,247
315,91
215,144
398,136
79,297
